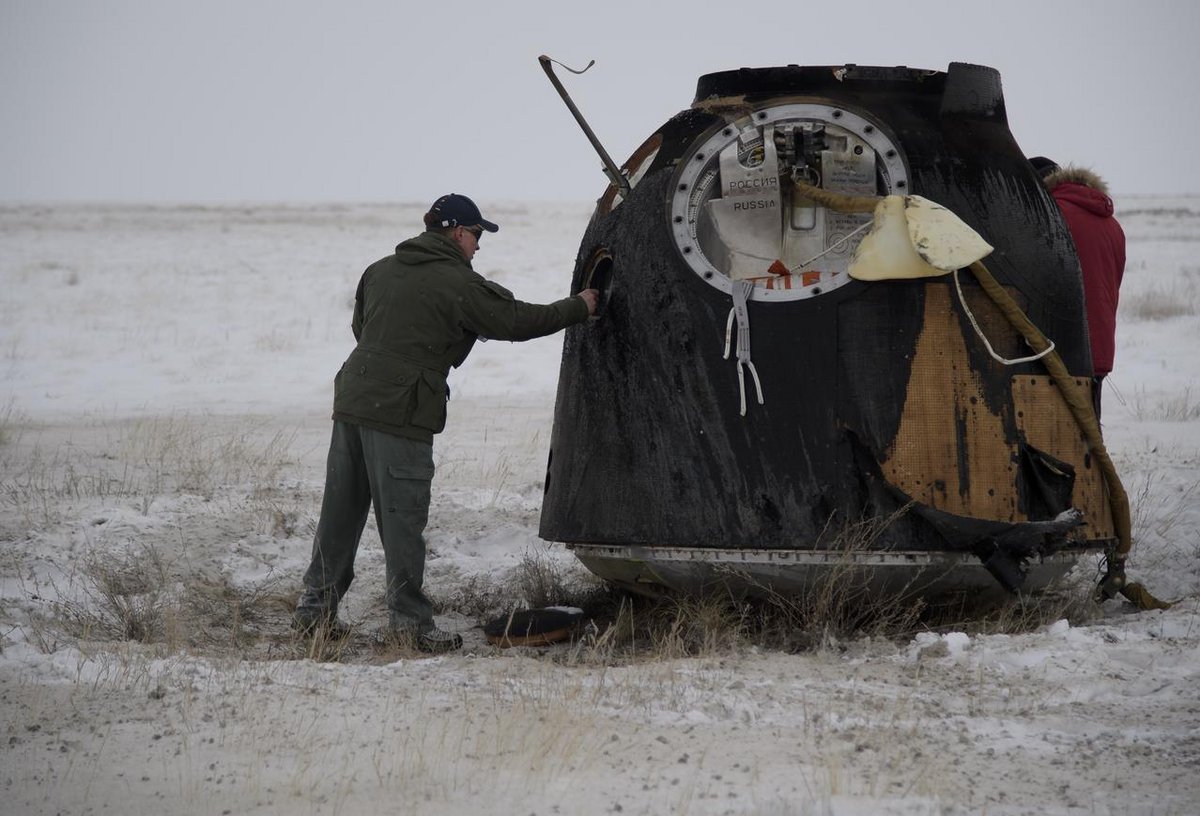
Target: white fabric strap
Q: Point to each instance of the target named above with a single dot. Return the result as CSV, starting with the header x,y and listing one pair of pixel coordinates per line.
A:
x,y
740,313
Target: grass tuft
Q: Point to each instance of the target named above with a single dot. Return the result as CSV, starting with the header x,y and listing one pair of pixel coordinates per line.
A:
x,y
10,421
124,597
1178,408
1161,302
152,458
841,604
541,582
479,596
536,582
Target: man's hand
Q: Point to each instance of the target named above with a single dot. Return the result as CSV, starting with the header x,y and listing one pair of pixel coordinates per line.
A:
x,y
591,297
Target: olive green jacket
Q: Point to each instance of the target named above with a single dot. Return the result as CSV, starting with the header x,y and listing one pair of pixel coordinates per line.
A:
x,y
416,314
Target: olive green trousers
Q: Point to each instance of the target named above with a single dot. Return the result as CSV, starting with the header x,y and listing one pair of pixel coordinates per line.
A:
x,y
369,469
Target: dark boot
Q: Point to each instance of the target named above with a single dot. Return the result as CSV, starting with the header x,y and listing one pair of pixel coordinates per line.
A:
x,y
437,641
428,639
316,615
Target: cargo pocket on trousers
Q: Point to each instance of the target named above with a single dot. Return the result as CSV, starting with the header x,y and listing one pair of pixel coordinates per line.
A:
x,y
411,470
409,491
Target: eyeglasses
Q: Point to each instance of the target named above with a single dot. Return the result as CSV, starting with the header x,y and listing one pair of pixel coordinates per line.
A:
x,y
476,231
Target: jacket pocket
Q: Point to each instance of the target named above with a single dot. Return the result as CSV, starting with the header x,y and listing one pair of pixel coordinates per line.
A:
x,y
431,396
376,386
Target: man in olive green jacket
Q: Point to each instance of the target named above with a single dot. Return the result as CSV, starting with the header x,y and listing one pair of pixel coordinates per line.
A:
x,y
417,313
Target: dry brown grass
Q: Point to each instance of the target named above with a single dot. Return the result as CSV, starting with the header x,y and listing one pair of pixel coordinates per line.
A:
x,y
11,421
840,604
1161,302
143,599
1177,408
537,582
145,460
123,597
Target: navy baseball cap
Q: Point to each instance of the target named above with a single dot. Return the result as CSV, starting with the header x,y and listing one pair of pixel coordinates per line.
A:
x,y
454,210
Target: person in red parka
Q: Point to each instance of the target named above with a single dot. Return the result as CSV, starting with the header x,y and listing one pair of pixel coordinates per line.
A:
x,y
1100,244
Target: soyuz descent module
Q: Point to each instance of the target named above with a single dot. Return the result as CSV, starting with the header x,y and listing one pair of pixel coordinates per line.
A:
x,y
761,398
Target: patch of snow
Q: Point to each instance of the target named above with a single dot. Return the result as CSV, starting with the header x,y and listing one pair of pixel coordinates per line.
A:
x,y
195,347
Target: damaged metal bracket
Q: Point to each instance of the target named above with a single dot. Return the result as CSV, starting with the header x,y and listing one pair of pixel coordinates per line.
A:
x,y
1113,581
1008,570
1006,554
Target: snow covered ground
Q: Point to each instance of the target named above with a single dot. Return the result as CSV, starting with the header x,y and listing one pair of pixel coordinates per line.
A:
x,y
166,376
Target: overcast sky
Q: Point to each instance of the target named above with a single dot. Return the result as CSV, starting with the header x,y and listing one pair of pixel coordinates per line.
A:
x,y
165,100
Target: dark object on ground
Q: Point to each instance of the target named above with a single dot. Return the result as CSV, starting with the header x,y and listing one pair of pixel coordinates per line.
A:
x,y
532,627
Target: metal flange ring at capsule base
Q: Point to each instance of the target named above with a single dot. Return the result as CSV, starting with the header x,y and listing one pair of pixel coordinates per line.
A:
x,y
932,573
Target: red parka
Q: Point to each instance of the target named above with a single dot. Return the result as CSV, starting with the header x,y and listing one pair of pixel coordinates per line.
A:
x,y
1100,243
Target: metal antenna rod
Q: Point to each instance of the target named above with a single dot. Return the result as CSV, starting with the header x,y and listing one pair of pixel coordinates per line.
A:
x,y
610,167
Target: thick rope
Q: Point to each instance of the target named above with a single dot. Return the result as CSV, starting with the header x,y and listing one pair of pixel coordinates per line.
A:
x,y
1078,400
838,202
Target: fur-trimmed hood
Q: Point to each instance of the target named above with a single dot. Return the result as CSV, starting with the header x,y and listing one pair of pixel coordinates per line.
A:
x,y
1083,188
1075,175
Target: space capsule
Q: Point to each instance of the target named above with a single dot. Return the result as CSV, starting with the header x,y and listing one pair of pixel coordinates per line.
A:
x,y
748,408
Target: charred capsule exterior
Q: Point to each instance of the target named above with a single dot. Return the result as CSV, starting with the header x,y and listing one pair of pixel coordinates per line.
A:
x,y
878,399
